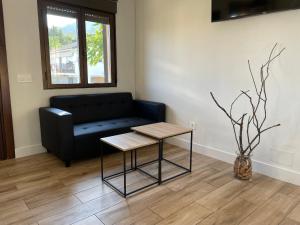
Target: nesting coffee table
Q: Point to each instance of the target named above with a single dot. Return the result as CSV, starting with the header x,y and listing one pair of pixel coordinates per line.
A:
x,y
129,142
161,132
144,136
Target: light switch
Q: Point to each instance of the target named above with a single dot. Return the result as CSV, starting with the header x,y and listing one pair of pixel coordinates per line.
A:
x,y
24,78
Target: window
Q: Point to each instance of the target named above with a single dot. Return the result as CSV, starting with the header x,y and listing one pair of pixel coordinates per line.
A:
x,y
78,46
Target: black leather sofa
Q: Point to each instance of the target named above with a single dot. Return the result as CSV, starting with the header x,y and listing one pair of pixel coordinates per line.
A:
x,y
72,125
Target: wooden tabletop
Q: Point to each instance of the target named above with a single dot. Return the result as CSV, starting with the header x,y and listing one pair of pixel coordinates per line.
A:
x,y
162,130
129,141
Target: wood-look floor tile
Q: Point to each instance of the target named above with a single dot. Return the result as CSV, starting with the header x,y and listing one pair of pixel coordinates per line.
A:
x,y
295,214
40,165
178,200
82,211
84,185
25,178
12,208
47,181
80,177
288,221
262,191
133,205
290,190
272,212
189,215
93,193
36,214
26,192
3,174
223,195
193,178
7,188
231,214
47,196
142,217
92,220
220,178
221,166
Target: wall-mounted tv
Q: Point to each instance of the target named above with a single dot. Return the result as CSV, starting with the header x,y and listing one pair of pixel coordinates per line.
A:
x,y
234,9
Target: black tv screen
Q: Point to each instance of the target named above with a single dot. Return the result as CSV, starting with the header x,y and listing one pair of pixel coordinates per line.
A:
x,y
233,9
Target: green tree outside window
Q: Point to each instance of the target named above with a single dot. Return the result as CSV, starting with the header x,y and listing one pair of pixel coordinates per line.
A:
x,y
58,39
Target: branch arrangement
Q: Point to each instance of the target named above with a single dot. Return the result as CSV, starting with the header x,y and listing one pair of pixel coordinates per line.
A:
x,y
242,126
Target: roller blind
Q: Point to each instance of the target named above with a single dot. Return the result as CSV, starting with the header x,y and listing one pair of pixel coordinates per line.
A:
x,y
110,6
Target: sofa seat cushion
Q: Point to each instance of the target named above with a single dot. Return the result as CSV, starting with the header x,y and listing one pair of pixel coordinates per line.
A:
x,y
87,135
104,126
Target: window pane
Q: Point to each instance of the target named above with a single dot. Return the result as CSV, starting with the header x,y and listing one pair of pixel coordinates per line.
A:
x,y
64,49
98,52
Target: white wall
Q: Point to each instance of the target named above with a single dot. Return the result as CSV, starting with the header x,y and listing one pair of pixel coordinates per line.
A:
x,y
23,49
181,56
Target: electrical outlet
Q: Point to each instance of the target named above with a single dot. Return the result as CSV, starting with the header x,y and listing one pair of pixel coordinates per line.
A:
x,y
193,125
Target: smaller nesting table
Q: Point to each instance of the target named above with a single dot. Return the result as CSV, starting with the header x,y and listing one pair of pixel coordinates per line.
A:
x,y
129,142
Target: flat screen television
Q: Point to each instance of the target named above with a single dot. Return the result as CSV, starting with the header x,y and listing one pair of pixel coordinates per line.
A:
x,y
234,9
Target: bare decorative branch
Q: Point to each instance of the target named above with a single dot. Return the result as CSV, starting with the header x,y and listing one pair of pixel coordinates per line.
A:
x,y
257,104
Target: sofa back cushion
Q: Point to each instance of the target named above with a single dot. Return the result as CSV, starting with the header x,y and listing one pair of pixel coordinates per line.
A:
x,y
95,107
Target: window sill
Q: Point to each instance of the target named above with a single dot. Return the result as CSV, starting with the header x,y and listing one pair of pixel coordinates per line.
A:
x,y
58,86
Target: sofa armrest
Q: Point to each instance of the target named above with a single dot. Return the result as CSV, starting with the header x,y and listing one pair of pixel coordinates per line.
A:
x,y
57,132
150,110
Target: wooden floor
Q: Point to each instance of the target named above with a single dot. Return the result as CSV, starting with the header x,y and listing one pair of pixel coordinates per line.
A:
x,y
40,190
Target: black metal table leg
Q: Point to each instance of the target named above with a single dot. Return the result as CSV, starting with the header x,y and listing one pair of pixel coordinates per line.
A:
x,y
101,152
191,151
135,160
124,168
131,158
160,158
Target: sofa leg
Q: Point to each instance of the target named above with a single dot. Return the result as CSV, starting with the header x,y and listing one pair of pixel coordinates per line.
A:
x,y
68,163
48,151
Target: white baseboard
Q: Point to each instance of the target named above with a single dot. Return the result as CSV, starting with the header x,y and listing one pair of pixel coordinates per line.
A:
x,y
268,169
29,150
